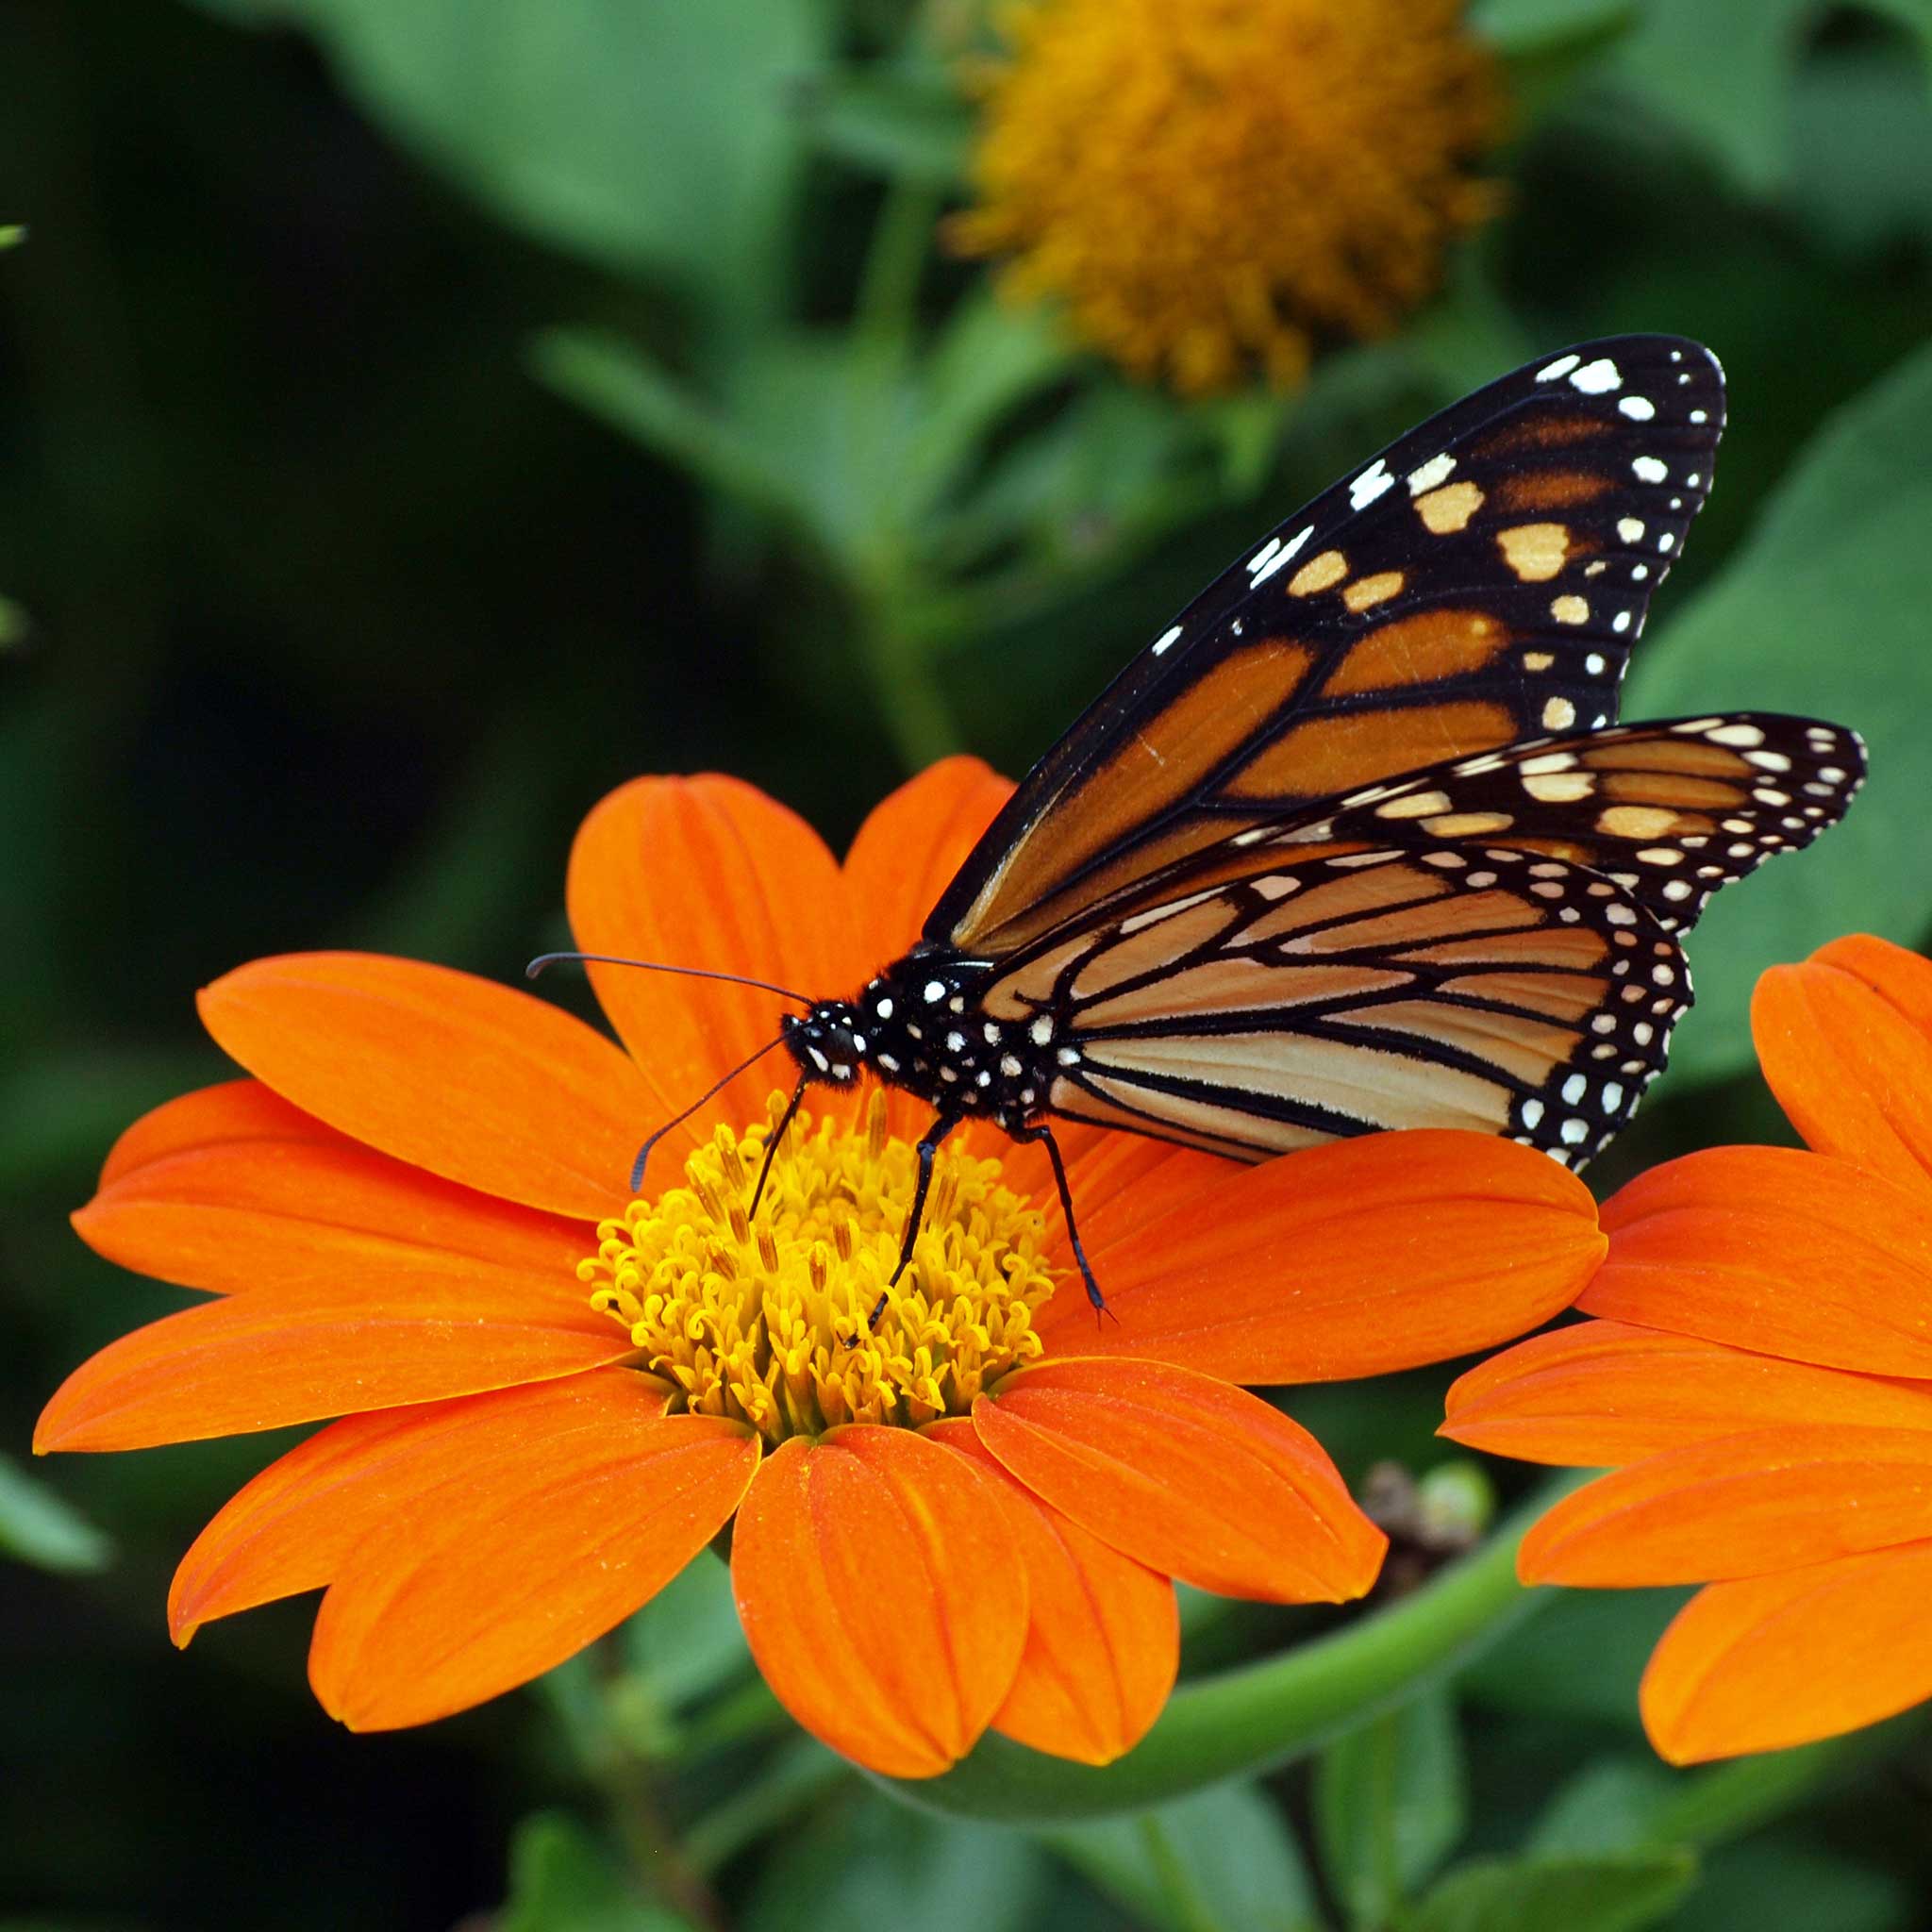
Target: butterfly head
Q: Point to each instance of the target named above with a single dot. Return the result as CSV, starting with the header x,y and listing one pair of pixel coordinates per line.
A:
x,y
828,1041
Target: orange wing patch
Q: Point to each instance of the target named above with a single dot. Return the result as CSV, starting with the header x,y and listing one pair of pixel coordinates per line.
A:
x,y
1552,489
1146,777
1417,650
1331,754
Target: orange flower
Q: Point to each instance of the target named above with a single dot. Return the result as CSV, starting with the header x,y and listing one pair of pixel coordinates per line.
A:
x,y
1761,1381
412,1218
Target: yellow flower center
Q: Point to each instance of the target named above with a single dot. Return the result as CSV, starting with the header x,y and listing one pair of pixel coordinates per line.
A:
x,y
770,1322
1215,189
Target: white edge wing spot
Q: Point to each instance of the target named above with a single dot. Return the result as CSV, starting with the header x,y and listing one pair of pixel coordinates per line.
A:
x,y
1282,555
1370,485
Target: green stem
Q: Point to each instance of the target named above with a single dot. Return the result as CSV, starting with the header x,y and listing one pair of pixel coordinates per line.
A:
x,y
1245,1722
885,324
912,703
886,308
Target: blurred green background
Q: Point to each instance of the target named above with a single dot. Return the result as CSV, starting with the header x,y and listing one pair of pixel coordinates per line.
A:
x,y
417,416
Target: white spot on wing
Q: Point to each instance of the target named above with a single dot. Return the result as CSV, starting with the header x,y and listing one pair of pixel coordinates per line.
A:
x,y
1561,366
1281,556
1165,639
1596,378
1429,474
1370,485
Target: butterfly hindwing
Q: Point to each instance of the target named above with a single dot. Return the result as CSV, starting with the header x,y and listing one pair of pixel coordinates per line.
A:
x,y
1487,943
1486,990
1671,812
1481,582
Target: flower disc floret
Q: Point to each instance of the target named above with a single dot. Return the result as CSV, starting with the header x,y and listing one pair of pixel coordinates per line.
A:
x,y
1213,190
770,1322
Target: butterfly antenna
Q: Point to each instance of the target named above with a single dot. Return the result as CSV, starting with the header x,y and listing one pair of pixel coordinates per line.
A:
x,y
637,1170
543,959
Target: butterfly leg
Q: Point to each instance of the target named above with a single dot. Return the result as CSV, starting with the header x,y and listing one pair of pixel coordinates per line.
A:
x,y
927,1149
1042,1132
785,1120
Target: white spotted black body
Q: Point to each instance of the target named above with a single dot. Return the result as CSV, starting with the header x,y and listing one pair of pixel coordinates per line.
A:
x,y
921,1025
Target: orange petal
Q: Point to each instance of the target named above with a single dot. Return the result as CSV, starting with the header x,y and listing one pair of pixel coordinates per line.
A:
x,y
1738,1506
300,1354
1902,979
1771,1661
909,847
237,1111
1352,1259
876,1585
706,871
1774,1250
292,1202
1847,1063
532,1546
475,1081
293,1527
1191,1477
1596,1395
1103,1636
1122,1183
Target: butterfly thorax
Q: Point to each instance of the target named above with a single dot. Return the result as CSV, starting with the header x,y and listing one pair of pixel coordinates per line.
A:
x,y
920,1025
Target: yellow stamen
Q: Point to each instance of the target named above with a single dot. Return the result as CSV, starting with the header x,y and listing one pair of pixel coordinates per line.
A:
x,y
770,1323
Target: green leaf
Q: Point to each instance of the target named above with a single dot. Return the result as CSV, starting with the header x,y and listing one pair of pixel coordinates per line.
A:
x,y
1222,1858
1861,132
991,357
874,1863
13,234
1517,27
686,1642
561,1879
1612,1804
910,125
1626,1802
660,140
1778,1884
1547,45
39,1528
613,379
1601,1895
1390,1805
1823,612
1579,1658
1722,71
1250,1719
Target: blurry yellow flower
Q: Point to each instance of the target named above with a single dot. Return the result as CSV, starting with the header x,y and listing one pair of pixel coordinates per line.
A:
x,y
1213,188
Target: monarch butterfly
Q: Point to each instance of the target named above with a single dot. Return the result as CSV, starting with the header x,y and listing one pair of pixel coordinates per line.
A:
x,y
1356,843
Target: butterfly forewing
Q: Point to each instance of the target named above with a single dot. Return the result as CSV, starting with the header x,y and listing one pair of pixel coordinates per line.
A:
x,y
1481,582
